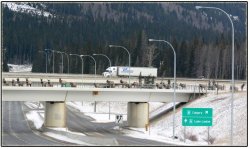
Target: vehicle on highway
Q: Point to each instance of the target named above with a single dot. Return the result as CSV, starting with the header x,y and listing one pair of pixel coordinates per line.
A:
x,y
122,71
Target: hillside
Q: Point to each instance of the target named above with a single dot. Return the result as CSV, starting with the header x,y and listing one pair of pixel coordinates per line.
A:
x,y
87,28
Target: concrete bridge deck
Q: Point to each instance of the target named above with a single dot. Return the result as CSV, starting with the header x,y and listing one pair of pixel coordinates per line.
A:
x,y
10,93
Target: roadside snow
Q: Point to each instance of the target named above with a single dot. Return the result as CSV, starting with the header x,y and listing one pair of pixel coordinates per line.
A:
x,y
142,134
35,118
161,109
66,139
103,118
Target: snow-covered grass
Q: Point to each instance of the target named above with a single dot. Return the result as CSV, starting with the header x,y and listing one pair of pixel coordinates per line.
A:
x,y
160,108
19,68
142,134
25,8
220,131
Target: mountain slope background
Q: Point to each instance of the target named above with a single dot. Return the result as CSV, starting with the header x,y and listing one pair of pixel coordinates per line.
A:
x,y
201,38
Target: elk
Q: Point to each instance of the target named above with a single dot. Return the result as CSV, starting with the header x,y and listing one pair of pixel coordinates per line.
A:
x,y
19,83
72,84
42,83
5,82
124,83
135,84
202,86
183,86
13,83
242,86
111,84
219,87
28,83
159,86
61,81
49,84
166,86
235,88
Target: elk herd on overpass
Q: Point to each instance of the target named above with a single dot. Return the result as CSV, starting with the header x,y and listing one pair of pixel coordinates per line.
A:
x,y
212,85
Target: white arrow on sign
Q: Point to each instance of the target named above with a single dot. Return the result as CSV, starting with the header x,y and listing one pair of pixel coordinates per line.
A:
x,y
185,120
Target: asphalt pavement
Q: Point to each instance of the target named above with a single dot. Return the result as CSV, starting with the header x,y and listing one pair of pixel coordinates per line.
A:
x,y
16,131
77,121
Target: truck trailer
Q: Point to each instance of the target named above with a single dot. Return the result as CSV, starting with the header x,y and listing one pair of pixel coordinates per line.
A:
x,y
123,71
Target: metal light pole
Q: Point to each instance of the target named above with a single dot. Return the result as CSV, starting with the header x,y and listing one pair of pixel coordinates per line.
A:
x,y
115,46
110,75
62,58
94,61
68,59
232,82
45,58
106,57
82,62
53,58
95,74
174,79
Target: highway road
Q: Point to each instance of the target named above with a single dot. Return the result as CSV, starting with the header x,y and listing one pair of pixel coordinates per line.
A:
x,y
77,121
16,131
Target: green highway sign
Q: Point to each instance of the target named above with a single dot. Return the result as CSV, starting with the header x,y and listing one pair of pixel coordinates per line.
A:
x,y
197,112
197,117
197,121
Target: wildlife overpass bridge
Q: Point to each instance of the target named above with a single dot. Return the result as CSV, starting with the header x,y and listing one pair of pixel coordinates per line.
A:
x,y
55,98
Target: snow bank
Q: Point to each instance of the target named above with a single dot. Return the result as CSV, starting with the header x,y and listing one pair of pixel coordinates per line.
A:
x,y
103,118
66,139
19,68
35,118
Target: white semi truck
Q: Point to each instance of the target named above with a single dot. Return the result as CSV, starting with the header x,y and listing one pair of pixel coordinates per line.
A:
x,y
134,71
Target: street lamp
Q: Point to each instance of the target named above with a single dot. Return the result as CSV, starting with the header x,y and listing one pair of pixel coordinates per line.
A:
x,y
106,57
68,59
110,75
46,58
82,62
152,40
115,46
232,82
62,58
95,74
53,57
94,61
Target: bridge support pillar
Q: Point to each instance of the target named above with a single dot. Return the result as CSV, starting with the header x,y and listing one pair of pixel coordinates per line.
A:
x,y
55,114
138,114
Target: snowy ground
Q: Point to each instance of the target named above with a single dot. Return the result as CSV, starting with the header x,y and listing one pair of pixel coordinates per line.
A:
x,y
161,130
220,131
19,68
